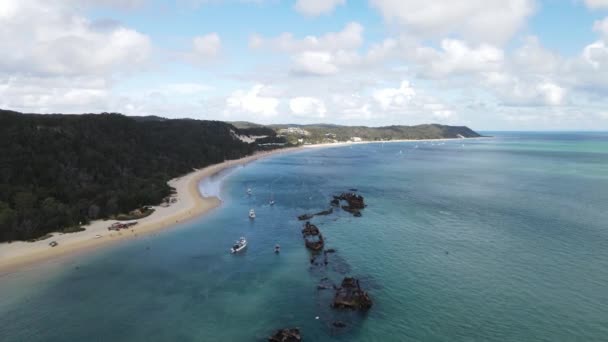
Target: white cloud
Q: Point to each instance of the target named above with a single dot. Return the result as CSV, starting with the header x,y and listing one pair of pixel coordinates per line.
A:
x,y
456,57
307,106
493,21
317,7
37,37
252,101
596,4
349,38
389,97
314,63
601,26
207,46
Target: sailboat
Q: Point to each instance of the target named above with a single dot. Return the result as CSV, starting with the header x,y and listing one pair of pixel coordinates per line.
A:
x,y
271,202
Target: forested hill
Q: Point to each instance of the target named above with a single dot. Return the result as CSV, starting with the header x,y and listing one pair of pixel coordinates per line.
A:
x,y
57,171
323,132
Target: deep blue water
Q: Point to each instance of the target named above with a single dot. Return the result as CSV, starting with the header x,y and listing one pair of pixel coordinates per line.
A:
x,y
501,239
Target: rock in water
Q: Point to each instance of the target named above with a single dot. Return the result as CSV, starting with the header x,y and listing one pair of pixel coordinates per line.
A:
x,y
286,335
350,296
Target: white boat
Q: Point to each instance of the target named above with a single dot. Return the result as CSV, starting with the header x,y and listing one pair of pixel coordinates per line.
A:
x,y
239,245
251,214
277,248
271,202
249,191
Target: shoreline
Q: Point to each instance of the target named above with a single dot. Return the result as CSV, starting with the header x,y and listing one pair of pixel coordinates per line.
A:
x,y
190,204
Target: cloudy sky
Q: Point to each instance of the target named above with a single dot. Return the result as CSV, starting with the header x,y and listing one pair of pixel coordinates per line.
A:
x,y
488,64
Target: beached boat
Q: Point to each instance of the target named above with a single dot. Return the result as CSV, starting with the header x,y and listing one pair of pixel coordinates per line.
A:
x,y
251,214
239,245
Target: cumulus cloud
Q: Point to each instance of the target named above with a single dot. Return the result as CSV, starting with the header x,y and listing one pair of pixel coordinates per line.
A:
x,y
388,97
456,57
252,101
59,42
55,59
317,7
493,21
307,106
350,37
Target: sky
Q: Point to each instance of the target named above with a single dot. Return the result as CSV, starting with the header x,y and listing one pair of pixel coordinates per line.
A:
x,y
487,64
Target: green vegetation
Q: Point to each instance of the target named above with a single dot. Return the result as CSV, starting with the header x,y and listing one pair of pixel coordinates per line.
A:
x,y
329,133
60,171
135,214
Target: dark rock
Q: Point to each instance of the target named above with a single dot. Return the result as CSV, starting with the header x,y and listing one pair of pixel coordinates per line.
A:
x,y
330,250
335,202
350,296
352,190
286,335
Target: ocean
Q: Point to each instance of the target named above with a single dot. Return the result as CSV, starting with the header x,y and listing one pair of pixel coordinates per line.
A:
x,y
497,239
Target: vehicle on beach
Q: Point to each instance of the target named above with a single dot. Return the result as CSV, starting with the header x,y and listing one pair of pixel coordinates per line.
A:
x,y
239,245
251,214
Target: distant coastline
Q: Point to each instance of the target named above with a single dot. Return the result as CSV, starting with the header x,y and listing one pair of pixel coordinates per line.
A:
x,y
190,204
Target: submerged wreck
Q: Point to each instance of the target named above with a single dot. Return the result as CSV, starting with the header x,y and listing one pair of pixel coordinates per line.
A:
x,y
305,217
314,244
313,238
286,335
350,296
310,229
355,202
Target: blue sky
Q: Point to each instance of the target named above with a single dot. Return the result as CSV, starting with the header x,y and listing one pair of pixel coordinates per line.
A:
x,y
494,64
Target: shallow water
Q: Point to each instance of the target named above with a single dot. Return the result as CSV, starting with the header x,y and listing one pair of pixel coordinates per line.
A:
x,y
502,239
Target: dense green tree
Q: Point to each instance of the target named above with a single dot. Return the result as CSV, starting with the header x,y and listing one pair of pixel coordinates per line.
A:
x,y
59,171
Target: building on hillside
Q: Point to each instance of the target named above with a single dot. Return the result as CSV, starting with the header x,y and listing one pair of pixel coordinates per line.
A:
x,y
356,139
294,130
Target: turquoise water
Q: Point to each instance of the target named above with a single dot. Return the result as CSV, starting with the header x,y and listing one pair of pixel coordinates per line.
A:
x,y
502,239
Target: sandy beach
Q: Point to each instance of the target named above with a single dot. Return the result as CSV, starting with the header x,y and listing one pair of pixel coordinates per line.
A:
x,y
190,203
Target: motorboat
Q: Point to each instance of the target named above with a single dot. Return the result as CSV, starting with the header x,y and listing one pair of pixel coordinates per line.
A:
x,y
277,249
249,191
251,214
239,245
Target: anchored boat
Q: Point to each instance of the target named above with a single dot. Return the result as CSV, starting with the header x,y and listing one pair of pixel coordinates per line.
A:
x,y
239,245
